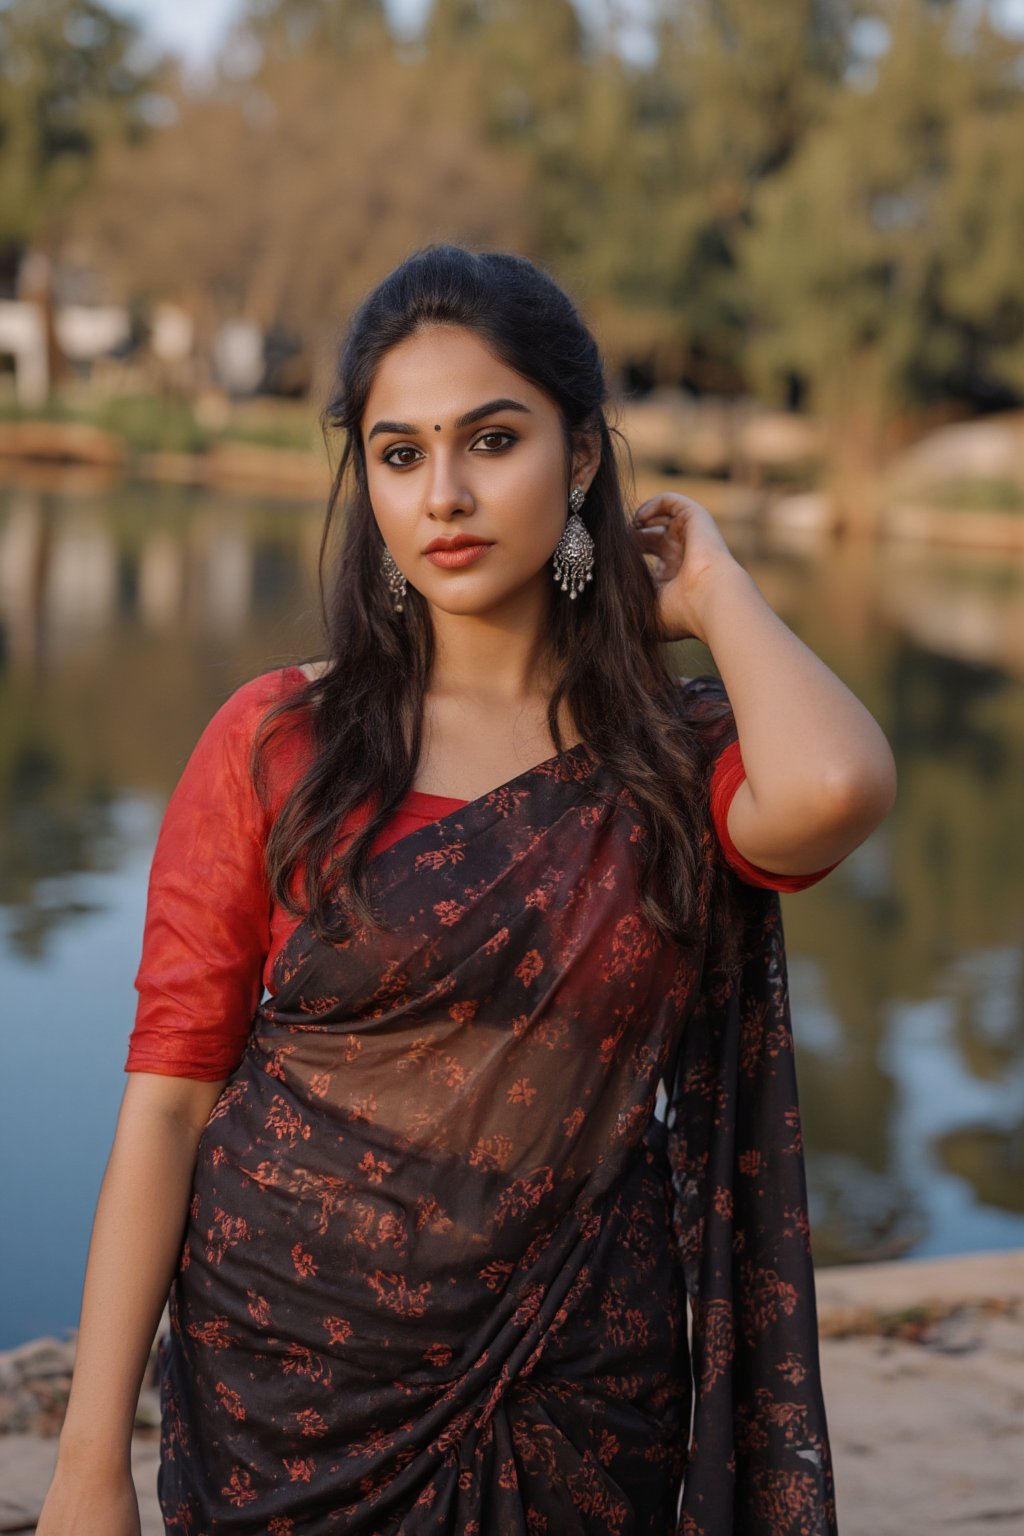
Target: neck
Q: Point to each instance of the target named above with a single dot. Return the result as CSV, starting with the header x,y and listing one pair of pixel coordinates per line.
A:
x,y
497,657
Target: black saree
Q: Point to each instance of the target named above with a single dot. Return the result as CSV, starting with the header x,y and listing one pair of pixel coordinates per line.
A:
x,y
759,1458
439,1248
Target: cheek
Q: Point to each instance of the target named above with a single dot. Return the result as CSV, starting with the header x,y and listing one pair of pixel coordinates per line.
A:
x,y
536,485
389,506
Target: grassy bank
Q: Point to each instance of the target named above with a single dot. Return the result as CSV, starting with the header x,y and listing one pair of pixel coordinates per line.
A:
x,y
170,423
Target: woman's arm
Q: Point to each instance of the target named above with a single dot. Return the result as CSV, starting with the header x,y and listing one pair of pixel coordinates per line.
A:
x,y
133,1253
820,774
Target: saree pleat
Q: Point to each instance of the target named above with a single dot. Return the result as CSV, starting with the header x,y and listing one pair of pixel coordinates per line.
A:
x,y
439,1248
759,1459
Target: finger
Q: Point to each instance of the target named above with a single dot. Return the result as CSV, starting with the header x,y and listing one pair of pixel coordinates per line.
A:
x,y
654,539
653,504
669,503
665,515
643,526
649,508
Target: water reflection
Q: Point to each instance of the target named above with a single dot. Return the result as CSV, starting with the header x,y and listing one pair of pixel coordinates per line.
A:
x,y
127,615
59,830
73,573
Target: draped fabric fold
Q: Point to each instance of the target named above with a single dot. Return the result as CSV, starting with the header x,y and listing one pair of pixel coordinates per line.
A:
x,y
760,1461
436,1266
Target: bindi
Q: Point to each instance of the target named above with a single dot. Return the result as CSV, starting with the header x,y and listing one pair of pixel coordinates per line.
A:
x,y
437,429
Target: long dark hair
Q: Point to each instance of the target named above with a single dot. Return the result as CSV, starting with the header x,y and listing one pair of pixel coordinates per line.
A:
x,y
365,710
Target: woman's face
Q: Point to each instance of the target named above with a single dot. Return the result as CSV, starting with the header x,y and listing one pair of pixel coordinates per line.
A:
x,y
458,445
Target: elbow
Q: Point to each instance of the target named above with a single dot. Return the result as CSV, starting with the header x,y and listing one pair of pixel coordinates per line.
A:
x,y
862,799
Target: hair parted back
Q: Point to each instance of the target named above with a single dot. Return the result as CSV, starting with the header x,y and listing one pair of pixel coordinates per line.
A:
x,y
365,710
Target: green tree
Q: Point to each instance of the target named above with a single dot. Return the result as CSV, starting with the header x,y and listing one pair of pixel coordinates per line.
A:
x,y
882,269
978,282
522,70
663,161
341,29
743,85
70,82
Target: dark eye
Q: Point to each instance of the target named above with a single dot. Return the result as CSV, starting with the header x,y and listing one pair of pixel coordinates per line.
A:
x,y
495,441
401,455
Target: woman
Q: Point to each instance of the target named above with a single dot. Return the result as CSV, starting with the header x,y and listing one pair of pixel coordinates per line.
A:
x,y
520,1085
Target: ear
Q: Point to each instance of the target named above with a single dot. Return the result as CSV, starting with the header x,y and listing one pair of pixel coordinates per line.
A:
x,y
586,456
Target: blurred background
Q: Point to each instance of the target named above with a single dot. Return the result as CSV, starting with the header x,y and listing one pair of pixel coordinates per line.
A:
x,y
797,229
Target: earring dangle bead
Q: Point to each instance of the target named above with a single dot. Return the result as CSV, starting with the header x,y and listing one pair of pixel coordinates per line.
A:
x,y
574,552
394,578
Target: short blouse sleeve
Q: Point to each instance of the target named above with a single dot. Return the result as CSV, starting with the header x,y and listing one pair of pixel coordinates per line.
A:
x,y
207,929
726,775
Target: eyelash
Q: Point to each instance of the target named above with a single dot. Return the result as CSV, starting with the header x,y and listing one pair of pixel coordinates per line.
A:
x,y
509,437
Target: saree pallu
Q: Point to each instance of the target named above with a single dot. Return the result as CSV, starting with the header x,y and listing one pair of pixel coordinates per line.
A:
x,y
440,1247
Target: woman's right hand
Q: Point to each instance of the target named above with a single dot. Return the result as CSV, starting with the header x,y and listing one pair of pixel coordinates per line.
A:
x,y
90,1504
135,1249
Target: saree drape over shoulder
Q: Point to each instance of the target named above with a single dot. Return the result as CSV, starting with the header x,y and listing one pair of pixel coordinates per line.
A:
x,y
441,1249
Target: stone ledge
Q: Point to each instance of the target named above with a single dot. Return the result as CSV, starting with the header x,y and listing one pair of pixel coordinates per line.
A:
x,y
965,1278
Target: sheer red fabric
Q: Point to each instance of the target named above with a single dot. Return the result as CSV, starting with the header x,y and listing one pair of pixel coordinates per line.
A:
x,y
213,934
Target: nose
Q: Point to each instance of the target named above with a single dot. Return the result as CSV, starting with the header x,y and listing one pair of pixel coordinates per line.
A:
x,y
447,492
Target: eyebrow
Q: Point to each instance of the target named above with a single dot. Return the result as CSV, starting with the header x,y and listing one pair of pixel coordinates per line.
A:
x,y
476,414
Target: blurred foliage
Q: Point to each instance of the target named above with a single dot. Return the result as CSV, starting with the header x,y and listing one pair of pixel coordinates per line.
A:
x,y
883,260
818,201
151,423
168,423
268,198
344,29
144,422
72,79
983,494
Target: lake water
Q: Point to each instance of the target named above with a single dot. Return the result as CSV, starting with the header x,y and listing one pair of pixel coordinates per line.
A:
x,y
128,614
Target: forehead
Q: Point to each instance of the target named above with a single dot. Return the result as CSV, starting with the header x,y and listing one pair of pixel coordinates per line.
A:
x,y
441,372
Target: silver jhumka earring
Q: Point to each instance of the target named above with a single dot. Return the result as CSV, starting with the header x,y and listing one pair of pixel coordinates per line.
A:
x,y
394,578
574,552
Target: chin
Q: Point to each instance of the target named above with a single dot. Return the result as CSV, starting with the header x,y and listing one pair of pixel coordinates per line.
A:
x,y
481,598
466,603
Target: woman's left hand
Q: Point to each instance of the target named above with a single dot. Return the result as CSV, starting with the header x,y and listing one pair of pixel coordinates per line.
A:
x,y
819,774
689,549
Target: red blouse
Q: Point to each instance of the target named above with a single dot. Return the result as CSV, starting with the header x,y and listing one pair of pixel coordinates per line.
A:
x,y
212,929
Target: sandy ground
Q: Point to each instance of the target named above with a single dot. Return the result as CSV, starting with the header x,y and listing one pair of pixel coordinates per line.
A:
x,y
923,1373
923,1370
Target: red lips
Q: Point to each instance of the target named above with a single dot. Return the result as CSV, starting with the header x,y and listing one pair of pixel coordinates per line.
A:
x,y
460,541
